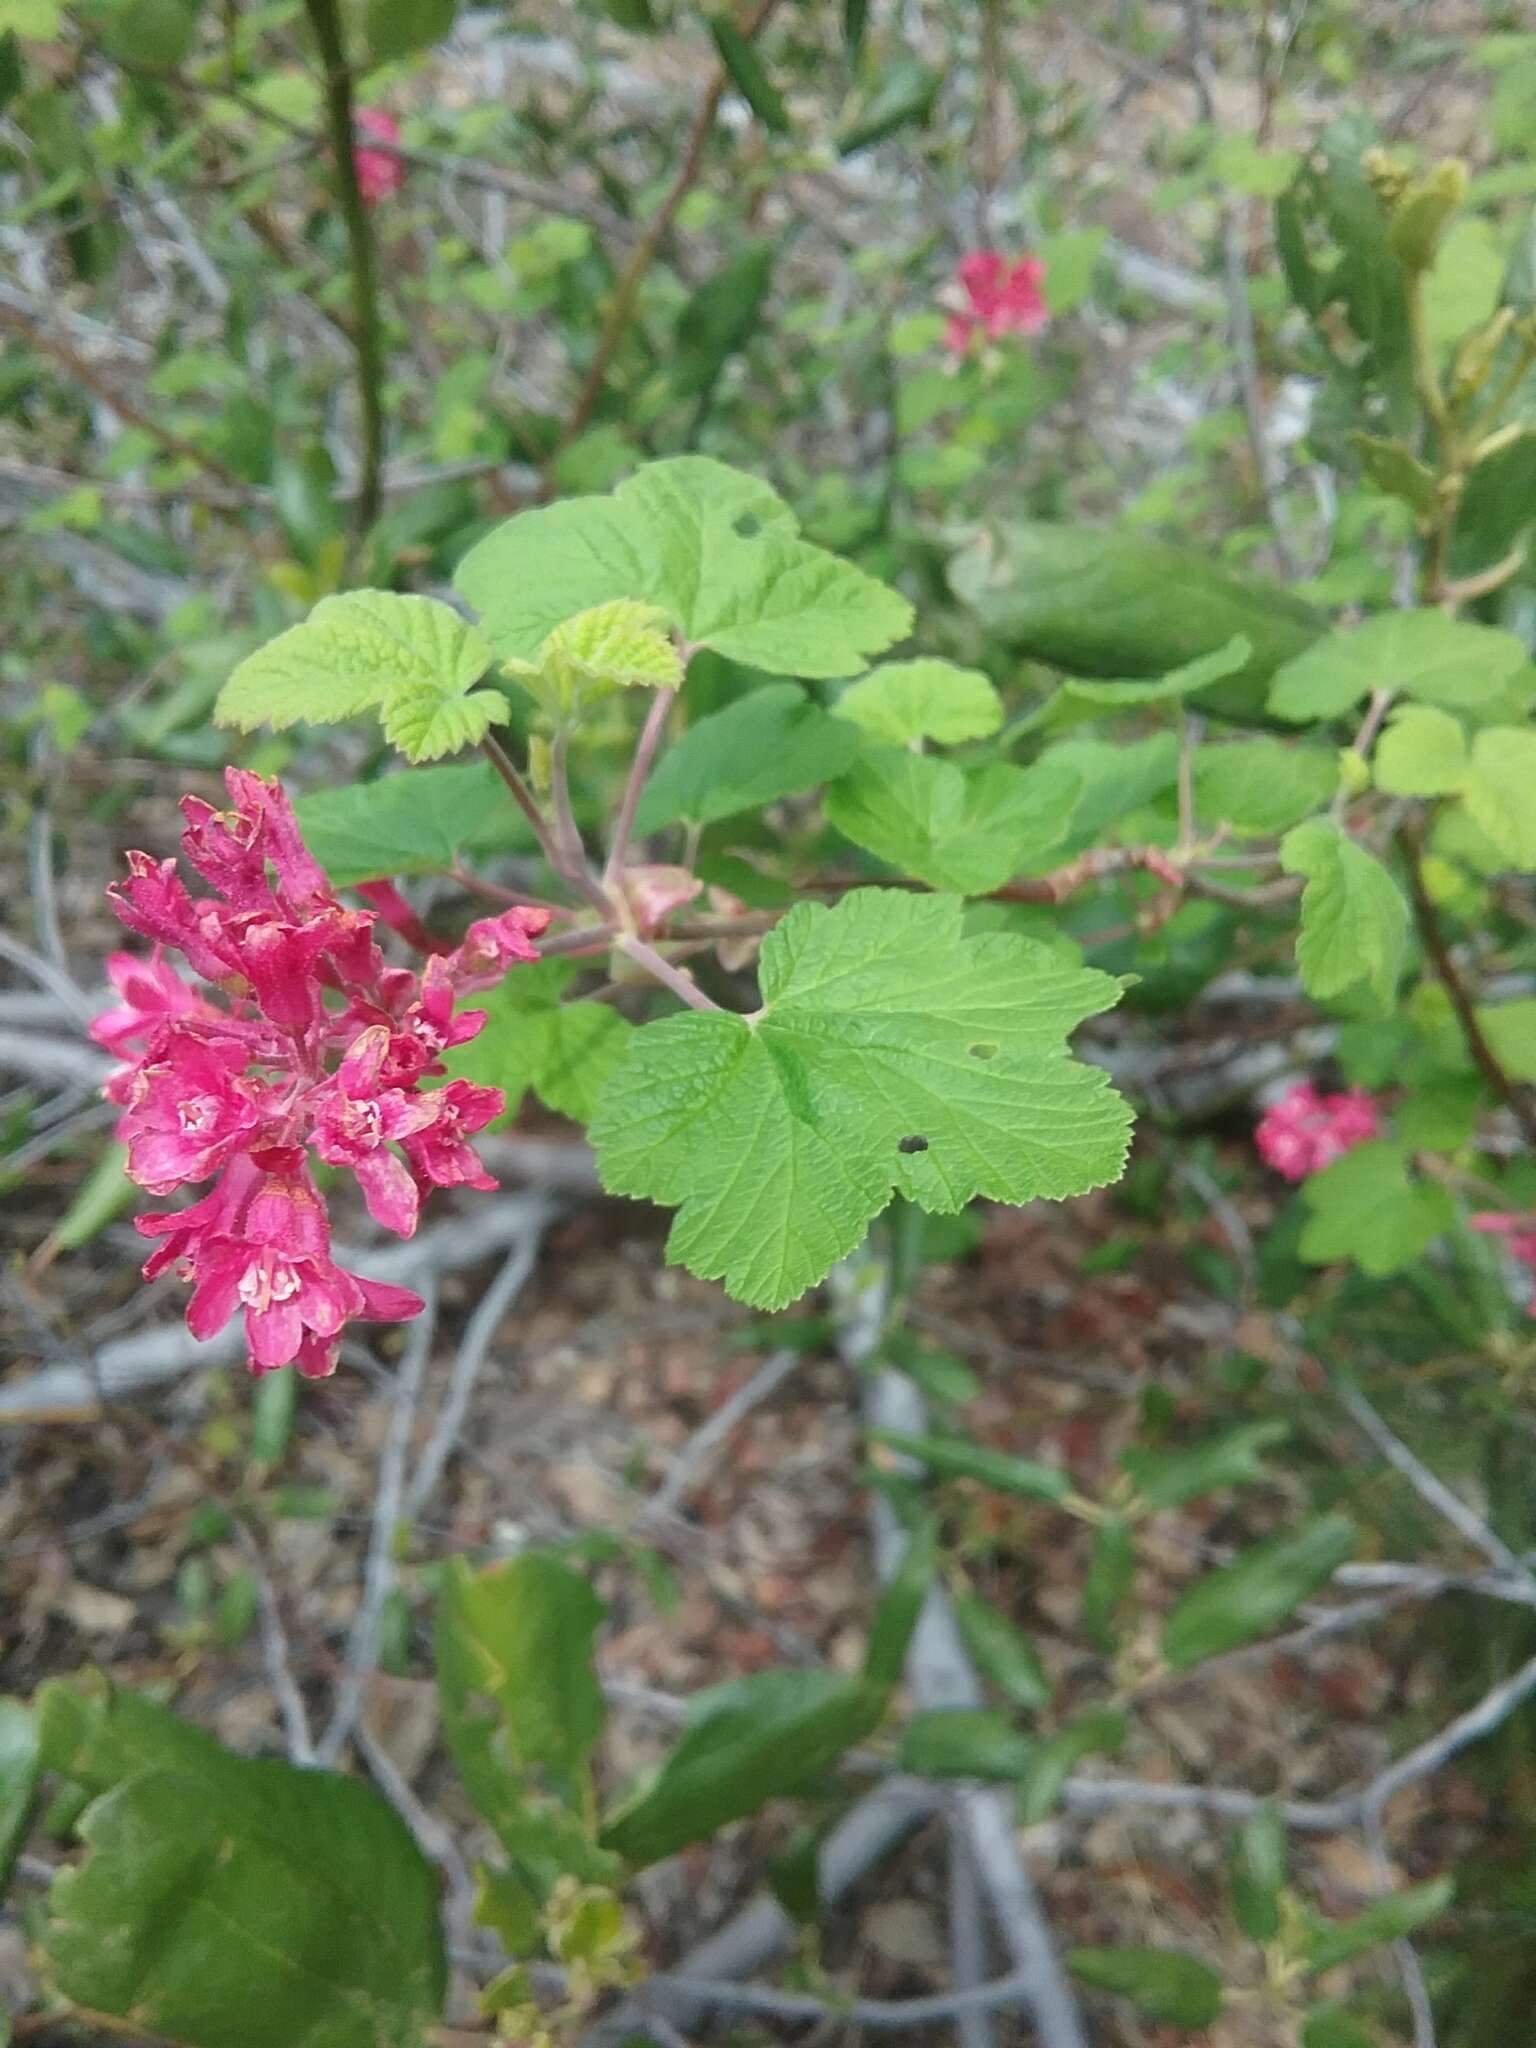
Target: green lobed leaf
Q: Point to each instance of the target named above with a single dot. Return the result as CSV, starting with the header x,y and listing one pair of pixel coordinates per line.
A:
x,y
250,1901
903,701
614,646
1002,1653
1368,1208
356,652
1163,1983
419,822
1424,654
1118,777
562,1051
964,1742
1331,1942
1100,604
1255,1593
1166,1479
956,1458
759,1738
18,1781
1354,920
969,832
1498,787
773,742
1100,1732
1258,1874
718,551
430,723
1421,753
891,1054
1261,786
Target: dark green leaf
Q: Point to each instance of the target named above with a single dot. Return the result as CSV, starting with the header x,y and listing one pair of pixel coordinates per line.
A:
x,y
418,822
1394,468
1096,604
902,98
99,1734
1002,1653
1257,1592
12,71
1166,1479
18,1781
953,1459
900,1605
1258,1874
1100,1732
1332,2027
964,1742
721,318
397,28
765,1737
1111,1568
1330,1942
251,1901
795,1877
768,744
748,75
1160,1982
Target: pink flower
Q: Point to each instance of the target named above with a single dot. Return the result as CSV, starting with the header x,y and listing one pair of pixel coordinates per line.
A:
x,y
380,173
317,1041
1519,1232
1306,1131
653,891
995,298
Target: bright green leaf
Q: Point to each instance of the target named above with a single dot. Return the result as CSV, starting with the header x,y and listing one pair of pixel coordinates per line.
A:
x,y
1099,1733
1367,1208
18,1781
419,822
1160,1982
1002,1653
1331,1942
1259,1857
1255,1593
1354,921
1421,753
903,701
1078,700
1424,654
964,1742
563,1051
427,724
1261,786
891,1054
771,743
354,653
1500,791
1166,1479
900,1605
955,1458
1510,1029
718,551
611,647
969,832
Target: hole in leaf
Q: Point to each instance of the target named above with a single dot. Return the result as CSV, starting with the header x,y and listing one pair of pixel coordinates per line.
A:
x,y
984,1051
747,525
912,1145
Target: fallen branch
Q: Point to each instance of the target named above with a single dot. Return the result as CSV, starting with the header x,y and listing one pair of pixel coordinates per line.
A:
x,y
708,1438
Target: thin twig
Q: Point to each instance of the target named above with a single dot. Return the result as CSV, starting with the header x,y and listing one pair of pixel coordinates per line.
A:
x,y
708,1438
379,1569
682,984
276,1655
479,1333
49,975
967,1942
1409,1969
889,2014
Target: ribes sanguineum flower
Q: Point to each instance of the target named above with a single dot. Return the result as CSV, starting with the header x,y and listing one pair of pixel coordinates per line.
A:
x,y
380,173
303,1038
1519,1235
992,297
1306,1131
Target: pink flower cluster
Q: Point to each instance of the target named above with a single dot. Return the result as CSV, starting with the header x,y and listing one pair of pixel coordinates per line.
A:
x,y
1306,1131
1519,1233
319,1043
380,173
995,298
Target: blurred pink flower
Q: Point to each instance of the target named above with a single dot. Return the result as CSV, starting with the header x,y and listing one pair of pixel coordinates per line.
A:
x,y
995,298
1306,1131
1519,1233
380,173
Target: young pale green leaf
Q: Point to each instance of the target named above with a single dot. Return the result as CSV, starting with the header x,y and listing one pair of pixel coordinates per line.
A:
x,y
18,1781
1077,701
966,832
614,646
771,743
1261,786
900,1605
1255,1593
420,822
891,1054
1331,1942
357,652
563,1051
1163,1983
1366,1207
955,1458
964,1742
1394,468
1166,1479
252,1902
1354,921
1099,1733
903,701
1422,753
1498,787
1424,654
1002,1653
764,1737
719,552
1258,1873
426,724
1108,1580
